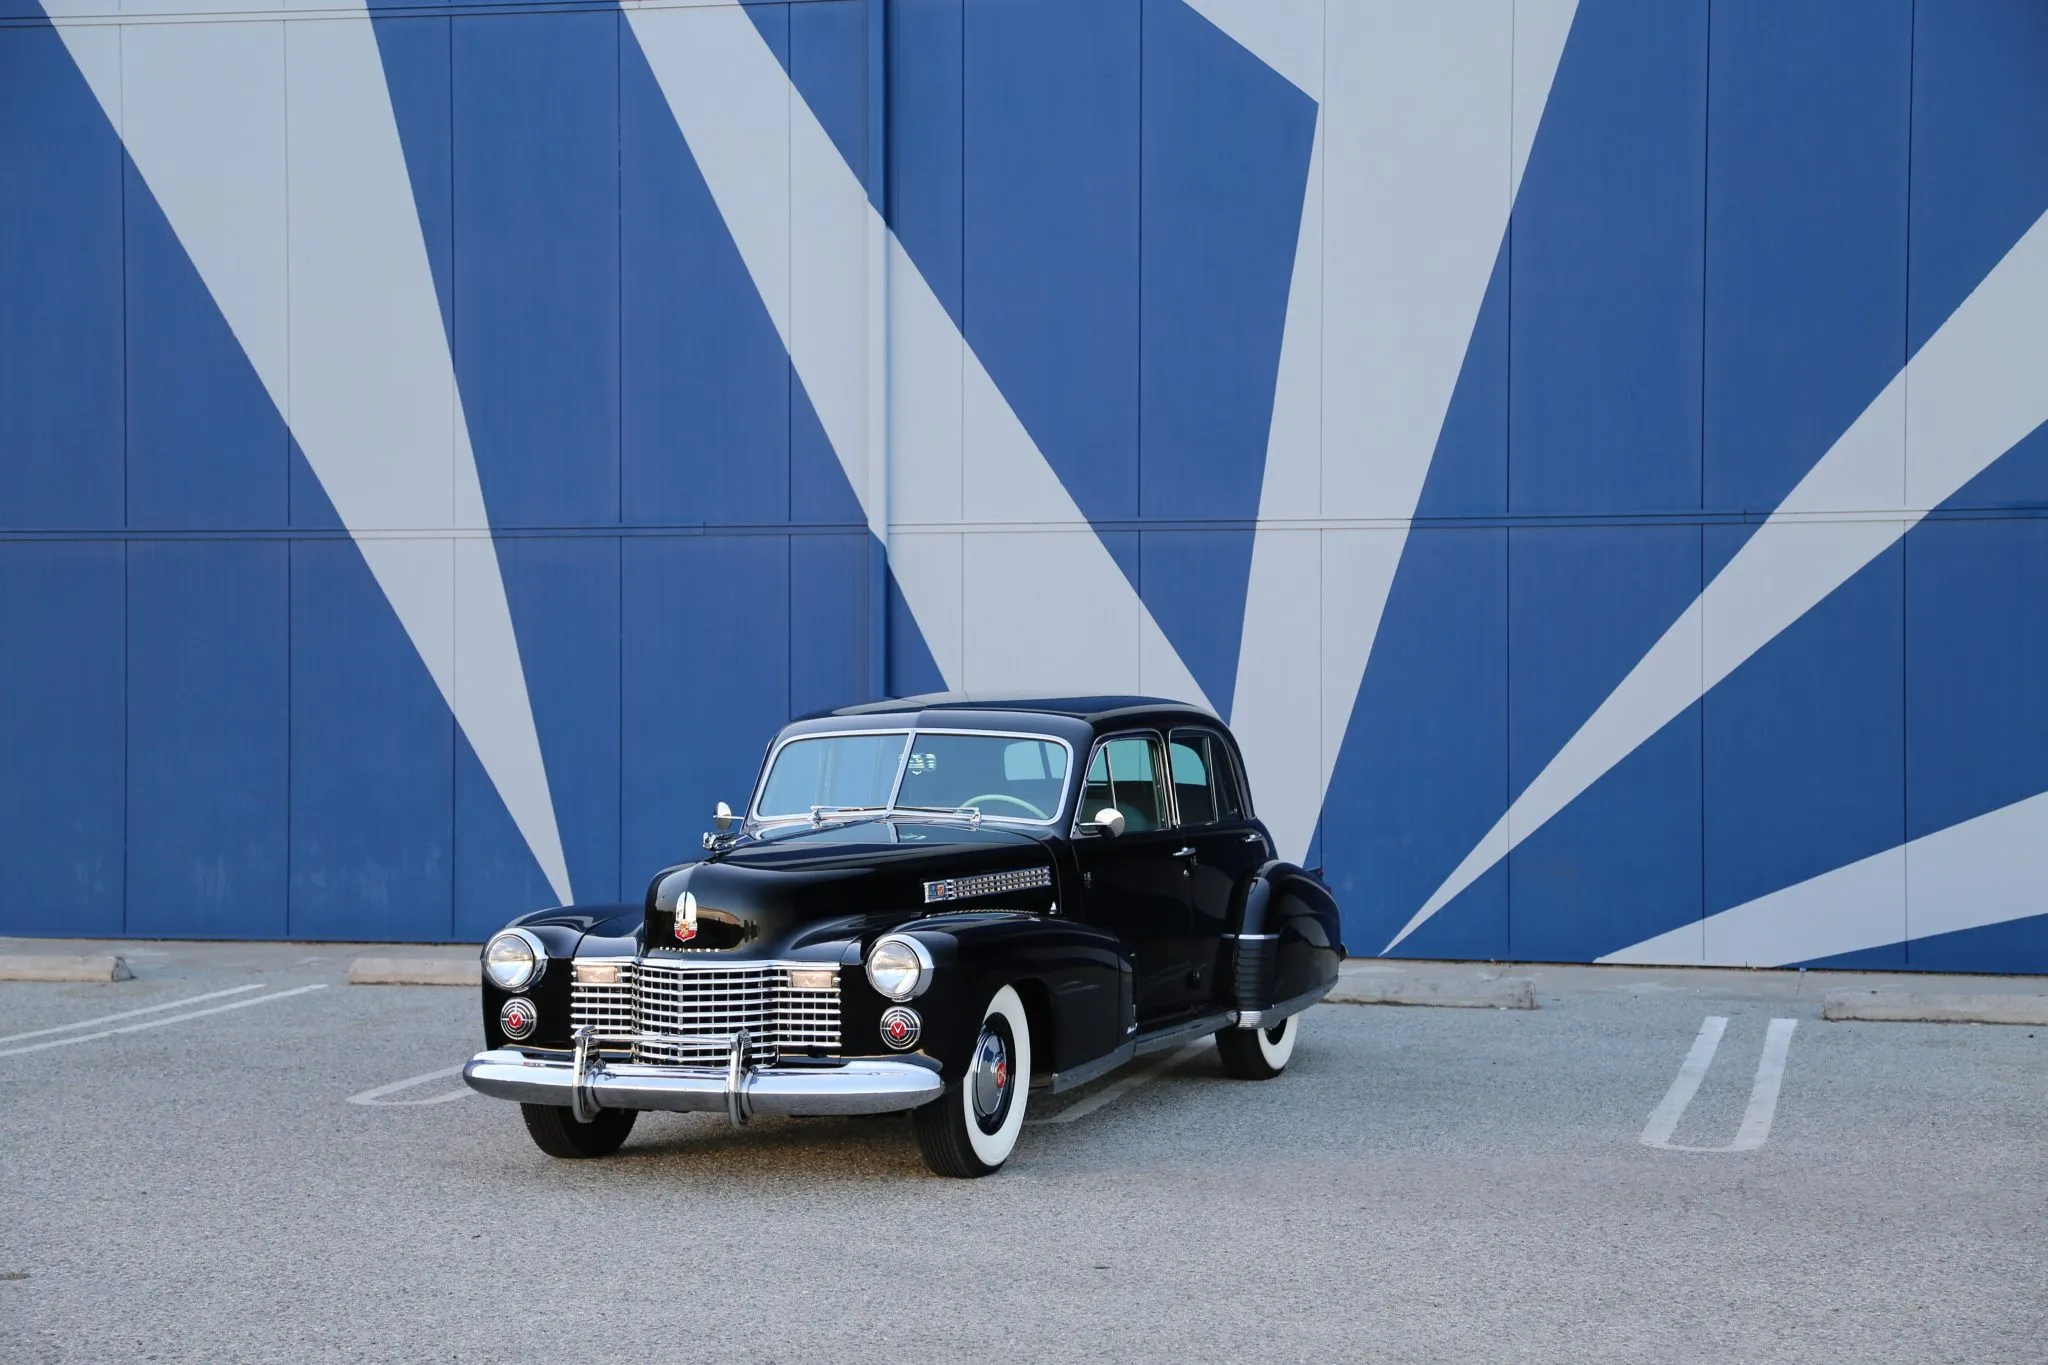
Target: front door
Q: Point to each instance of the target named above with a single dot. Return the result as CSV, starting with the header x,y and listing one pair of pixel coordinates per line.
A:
x,y
1137,886
1228,846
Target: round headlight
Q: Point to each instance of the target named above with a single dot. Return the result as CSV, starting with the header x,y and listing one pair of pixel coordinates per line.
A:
x,y
899,967
514,960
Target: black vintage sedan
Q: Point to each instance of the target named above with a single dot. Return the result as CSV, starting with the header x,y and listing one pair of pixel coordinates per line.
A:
x,y
941,905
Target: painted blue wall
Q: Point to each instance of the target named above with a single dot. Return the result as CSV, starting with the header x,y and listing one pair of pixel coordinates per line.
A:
x,y
1737,222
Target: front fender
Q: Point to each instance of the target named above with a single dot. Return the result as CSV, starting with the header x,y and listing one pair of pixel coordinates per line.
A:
x,y
1075,981
1287,938
563,931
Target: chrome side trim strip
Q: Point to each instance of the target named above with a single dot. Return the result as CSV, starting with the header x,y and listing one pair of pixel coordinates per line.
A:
x,y
1088,1071
1176,1034
1273,1014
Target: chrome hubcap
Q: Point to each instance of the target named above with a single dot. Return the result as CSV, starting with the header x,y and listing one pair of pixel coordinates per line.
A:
x,y
991,1078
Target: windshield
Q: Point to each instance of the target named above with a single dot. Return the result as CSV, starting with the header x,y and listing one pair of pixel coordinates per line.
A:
x,y
1004,777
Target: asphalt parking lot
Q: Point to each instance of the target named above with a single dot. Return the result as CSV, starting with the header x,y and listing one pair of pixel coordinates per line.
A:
x,y
1439,1184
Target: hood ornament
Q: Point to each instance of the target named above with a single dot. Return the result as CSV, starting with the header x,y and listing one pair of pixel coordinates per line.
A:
x,y
686,918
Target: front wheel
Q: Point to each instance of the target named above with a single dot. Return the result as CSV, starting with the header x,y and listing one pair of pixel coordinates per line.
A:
x,y
557,1132
971,1129
1258,1054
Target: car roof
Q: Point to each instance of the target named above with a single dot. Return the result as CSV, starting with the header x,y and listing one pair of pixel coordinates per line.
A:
x,y
1098,712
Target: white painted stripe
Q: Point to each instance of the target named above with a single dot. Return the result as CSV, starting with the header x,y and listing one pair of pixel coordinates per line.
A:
x,y
131,1014
800,217
1763,1093
159,1023
1975,392
1983,871
1116,1090
1429,113
1664,1118
292,200
376,1097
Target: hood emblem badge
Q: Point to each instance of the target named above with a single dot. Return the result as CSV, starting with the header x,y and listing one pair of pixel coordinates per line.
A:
x,y
686,918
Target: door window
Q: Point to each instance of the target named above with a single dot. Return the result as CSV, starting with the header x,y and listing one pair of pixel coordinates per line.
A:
x,y
1204,782
1124,773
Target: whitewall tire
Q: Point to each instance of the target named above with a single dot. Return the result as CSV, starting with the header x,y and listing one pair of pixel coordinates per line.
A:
x,y
972,1128
1258,1054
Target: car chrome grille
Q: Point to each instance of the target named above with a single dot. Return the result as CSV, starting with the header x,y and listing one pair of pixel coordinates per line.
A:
x,y
684,1014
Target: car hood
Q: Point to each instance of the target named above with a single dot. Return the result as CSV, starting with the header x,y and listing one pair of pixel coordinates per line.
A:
x,y
798,889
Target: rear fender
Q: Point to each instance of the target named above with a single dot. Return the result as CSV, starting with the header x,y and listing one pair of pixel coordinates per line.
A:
x,y
1286,943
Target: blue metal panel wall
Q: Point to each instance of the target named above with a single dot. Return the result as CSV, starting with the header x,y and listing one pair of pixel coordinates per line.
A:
x,y
565,598
1425,770
372,761
706,385
1736,223
1051,195
679,593
206,448
62,736
1623,861
61,409
1805,235
209,731
536,224
1604,409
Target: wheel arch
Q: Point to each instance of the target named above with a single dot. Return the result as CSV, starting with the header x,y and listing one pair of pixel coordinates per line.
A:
x,y
1287,937
1070,977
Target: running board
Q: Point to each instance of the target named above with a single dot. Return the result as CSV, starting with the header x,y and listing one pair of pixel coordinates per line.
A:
x,y
1172,1036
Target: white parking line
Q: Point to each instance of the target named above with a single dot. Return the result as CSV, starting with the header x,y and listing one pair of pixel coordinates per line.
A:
x,y
1664,1118
1763,1094
159,1023
130,1014
376,1097
1119,1089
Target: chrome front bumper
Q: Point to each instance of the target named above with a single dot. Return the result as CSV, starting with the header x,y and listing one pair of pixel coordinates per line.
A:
x,y
588,1083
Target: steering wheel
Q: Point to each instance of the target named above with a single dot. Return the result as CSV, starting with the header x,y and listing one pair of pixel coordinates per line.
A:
x,y
1036,813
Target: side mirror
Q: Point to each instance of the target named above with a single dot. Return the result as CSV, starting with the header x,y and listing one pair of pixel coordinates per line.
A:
x,y
721,818
1110,821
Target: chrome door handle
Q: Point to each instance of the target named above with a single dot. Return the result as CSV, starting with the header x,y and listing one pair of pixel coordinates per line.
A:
x,y
1184,853
1255,838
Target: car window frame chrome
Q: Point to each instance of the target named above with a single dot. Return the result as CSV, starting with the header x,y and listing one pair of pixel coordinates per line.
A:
x,y
1160,755
1068,785
1219,747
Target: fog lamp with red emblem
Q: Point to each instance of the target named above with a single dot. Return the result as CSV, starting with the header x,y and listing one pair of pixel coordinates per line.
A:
x,y
517,1018
901,1028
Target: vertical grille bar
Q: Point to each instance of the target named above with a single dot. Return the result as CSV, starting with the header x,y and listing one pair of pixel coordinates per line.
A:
x,y
670,1000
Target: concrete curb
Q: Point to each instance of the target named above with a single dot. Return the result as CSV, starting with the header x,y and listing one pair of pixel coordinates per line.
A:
x,y
1905,1007
64,967
415,971
1500,993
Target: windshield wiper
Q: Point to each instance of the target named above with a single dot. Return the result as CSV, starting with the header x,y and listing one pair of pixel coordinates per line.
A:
x,y
971,814
820,814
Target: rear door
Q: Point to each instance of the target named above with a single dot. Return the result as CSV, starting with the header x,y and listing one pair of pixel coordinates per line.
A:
x,y
1137,886
1227,845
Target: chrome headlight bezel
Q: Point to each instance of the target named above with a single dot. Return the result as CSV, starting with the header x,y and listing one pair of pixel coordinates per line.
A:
x,y
898,947
536,967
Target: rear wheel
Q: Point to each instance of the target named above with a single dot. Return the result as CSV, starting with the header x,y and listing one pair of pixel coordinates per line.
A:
x,y
556,1131
971,1129
1258,1054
